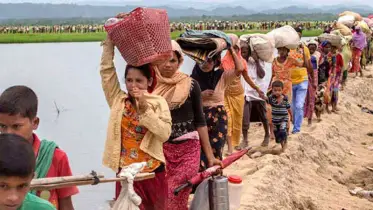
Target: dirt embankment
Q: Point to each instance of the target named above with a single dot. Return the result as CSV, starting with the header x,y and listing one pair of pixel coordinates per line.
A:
x,y
321,164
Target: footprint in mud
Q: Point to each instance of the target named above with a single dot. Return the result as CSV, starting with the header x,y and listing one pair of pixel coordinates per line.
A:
x,y
311,128
261,151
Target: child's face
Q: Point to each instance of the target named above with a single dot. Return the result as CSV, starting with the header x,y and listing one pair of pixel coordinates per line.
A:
x,y
277,91
283,52
13,191
327,49
21,126
312,48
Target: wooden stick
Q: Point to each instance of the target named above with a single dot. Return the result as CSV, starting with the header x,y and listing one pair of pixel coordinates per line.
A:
x,y
139,177
63,179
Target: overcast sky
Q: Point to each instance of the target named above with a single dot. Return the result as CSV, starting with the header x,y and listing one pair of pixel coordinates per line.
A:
x,y
314,2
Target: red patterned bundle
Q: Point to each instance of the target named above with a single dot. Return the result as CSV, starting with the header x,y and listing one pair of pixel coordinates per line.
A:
x,y
143,36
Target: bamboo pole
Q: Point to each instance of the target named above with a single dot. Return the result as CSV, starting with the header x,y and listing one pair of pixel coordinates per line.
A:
x,y
63,179
56,183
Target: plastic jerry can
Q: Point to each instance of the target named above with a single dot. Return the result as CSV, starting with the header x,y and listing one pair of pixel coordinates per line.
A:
x,y
235,186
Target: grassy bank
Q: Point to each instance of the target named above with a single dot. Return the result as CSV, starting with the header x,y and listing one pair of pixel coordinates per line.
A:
x,y
94,37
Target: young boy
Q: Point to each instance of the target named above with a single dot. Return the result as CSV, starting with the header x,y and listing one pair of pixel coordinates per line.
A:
x,y
281,110
18,115
17,164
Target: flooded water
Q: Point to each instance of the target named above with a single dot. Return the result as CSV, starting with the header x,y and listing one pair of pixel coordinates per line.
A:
x,y
66,75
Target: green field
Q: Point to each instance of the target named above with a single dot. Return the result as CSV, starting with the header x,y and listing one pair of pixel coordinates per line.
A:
x,y
94,37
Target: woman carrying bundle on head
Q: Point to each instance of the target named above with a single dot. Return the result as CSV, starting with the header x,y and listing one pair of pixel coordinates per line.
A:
x,y
213,82
234,99
189,130
139,124
359,42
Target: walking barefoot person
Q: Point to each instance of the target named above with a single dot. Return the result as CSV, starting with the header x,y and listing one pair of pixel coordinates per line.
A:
x,y
256,82
189,130
281,71
336,78
359,42
213,82
234,100
139,124
281,110
309,105
326,66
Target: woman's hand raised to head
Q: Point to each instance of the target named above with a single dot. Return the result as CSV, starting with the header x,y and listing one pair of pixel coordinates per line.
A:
x,y
237,62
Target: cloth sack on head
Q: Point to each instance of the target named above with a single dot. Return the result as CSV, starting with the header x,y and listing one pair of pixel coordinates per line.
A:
x,y
262,44
347,20
335,40
345,31
354,14
285,36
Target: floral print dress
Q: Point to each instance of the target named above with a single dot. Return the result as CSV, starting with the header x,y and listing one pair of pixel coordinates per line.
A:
x,y
132,135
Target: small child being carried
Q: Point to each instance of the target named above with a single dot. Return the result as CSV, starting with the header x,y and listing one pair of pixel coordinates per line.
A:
x,y
281,110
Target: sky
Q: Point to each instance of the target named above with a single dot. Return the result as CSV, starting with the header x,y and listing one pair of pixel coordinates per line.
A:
x,y
293,2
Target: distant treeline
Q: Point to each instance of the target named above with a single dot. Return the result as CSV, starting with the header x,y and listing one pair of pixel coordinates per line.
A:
x,y
255,18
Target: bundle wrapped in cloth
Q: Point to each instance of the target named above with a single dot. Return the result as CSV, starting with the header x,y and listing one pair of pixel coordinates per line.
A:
x,y
142,36
335,40
369,21
128,199
345,31
285,36
344,39
364,26
201,45
262,44
347,20
354,14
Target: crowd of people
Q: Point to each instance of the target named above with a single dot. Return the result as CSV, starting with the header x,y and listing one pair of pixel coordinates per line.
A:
x,y
174,26
40,29
179,124
246,25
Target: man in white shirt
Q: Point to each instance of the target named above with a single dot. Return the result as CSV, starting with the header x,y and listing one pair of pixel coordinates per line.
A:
x,y
255,110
